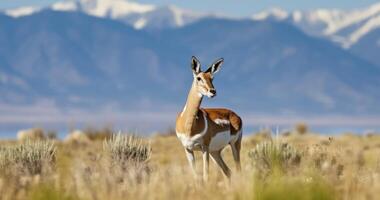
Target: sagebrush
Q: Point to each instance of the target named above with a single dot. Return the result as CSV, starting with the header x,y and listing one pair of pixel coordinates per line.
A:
x,y
124,149
270,155
29,157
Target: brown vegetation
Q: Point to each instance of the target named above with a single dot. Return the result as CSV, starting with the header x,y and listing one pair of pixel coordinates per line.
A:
x,y
287,167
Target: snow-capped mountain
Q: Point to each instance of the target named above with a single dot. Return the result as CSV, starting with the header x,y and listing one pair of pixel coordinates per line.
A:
x,y
341,26
90,61
79,59
136,14
344,27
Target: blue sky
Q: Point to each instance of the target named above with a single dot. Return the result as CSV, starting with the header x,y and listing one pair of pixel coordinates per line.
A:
x,y
229,7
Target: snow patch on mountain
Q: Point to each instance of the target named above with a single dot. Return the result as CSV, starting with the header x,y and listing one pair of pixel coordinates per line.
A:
x,y
275,13
178,15
102,8
22,11
168,17
140,23
365,29
65,6
344,27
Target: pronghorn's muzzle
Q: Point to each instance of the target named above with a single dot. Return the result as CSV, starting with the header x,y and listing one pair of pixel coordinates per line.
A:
x,y
212,93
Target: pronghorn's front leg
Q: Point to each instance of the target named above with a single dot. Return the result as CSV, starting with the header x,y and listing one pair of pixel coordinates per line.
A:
x,y
191,159
206,156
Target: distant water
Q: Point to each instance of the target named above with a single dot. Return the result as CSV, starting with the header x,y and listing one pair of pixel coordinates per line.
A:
x,y
11,133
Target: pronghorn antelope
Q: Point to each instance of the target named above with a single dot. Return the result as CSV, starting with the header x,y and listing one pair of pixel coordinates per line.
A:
x,y
208,129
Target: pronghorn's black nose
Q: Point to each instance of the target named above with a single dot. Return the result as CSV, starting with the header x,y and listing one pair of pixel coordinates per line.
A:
x,y
213,91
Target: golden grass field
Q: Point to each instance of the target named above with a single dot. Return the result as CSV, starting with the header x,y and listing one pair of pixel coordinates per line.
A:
x,y
295,166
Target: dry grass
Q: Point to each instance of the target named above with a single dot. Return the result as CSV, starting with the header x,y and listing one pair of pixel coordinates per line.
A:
x,y
311,167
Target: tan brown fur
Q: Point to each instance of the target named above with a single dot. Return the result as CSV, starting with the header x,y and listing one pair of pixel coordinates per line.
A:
x,y
197,127
222,113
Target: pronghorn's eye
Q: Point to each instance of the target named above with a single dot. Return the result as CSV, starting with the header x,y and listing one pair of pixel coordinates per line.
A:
x,y
199,78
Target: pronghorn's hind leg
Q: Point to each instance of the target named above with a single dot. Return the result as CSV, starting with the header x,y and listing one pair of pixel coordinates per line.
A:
x,y
236,146
217,157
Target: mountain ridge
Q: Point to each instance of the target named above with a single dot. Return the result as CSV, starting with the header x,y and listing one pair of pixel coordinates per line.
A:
x,y
74,64
100,43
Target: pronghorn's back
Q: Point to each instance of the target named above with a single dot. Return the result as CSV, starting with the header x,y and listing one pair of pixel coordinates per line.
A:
x,y
222,118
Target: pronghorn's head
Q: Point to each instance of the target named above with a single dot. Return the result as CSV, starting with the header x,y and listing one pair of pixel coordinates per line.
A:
x,y
203,80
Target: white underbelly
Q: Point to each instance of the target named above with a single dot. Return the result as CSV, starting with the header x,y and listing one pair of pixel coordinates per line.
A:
x,y
220,140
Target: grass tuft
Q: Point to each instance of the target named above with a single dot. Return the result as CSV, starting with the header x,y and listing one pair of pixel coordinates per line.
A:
x,y
268,156
124,149
29,157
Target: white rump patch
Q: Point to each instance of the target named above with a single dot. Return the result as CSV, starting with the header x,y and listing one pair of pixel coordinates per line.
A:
x,y
222,121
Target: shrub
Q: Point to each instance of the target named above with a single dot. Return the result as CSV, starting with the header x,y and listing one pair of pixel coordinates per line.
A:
x,y
29,157
31,134
77,137
51,135
98,134
301,128
127,149
267,156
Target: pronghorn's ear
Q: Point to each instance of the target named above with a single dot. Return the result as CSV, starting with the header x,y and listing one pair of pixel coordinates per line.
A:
x,y
216,66
195,65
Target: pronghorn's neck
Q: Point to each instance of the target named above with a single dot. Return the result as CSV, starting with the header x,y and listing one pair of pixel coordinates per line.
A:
x,y
191,108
